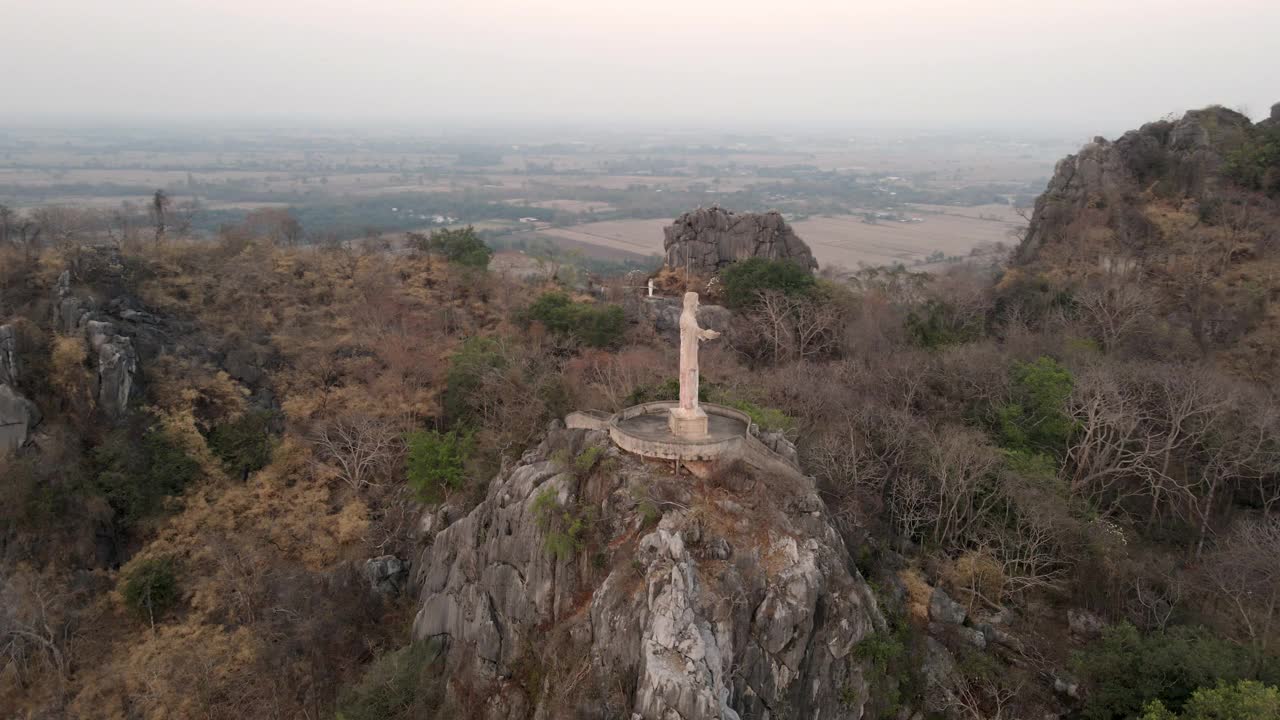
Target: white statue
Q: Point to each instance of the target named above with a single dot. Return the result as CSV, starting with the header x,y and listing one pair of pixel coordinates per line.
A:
x,y
689,420
650,287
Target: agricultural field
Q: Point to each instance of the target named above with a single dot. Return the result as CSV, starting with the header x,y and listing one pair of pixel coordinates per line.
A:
x,y
610,239
838,241
847,241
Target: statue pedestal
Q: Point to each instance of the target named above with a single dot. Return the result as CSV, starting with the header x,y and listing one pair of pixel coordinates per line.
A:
x,y
688,423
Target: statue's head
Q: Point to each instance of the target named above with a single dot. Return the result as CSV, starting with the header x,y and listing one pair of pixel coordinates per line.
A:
x,y
691,301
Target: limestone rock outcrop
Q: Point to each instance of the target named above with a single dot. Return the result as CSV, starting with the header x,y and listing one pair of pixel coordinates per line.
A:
x,y
1103,176
387,574
18,416
707,240
626,591
9,369
117,364
115,356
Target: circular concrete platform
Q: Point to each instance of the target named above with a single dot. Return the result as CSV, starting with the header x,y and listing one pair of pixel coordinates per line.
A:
x,y
643,430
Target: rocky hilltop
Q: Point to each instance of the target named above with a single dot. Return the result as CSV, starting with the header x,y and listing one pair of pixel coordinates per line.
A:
x,y
591,584
1168,232
707,239
1185,161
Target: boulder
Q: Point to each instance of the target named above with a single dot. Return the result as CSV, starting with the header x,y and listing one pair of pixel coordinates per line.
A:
x,y
17,416
1085,624
707,240
387,574
1064,684
944,610
972,636
938,670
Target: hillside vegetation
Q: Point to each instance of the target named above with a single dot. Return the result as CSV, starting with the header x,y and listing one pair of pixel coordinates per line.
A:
x,y
1061,476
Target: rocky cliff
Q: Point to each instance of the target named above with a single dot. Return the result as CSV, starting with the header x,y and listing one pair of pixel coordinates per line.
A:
x,y
1169,159
592,584
113,353
1166,238
708,239
18,415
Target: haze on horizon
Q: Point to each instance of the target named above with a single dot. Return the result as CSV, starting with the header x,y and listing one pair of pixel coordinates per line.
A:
x,y
1090,66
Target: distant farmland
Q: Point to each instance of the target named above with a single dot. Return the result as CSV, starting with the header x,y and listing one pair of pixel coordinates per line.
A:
x,y
612,238
846,241
840,240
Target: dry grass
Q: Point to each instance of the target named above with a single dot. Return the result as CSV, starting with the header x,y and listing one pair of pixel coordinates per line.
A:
x,y
918,593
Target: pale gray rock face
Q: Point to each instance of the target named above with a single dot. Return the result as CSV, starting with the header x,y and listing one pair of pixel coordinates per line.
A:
x,y
707,240
945,610
387,574
939,672
117,365
113,352
9,370
71,315
741,609
18,416
1085,624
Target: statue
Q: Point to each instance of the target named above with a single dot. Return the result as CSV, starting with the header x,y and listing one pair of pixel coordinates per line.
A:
x,y
689,420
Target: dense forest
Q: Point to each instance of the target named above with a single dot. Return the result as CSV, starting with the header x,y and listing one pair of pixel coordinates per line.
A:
x,y
1076,453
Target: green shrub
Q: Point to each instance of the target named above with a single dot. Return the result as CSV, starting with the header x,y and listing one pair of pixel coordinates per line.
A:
x,y
668,389
245,444
467,367
744,280
30,501
461,247
592,324
556,395
1126,670
937,324
404,684
892,680
1034,420
563,529
766,418
646,506
1245,700
151,588
587,459
1256,163
135,477
436,462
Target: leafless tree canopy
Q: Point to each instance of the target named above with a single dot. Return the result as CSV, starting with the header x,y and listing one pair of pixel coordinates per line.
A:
x,y
360,448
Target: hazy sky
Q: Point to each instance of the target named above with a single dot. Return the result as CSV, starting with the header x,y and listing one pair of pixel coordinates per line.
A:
x,y
1076,65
